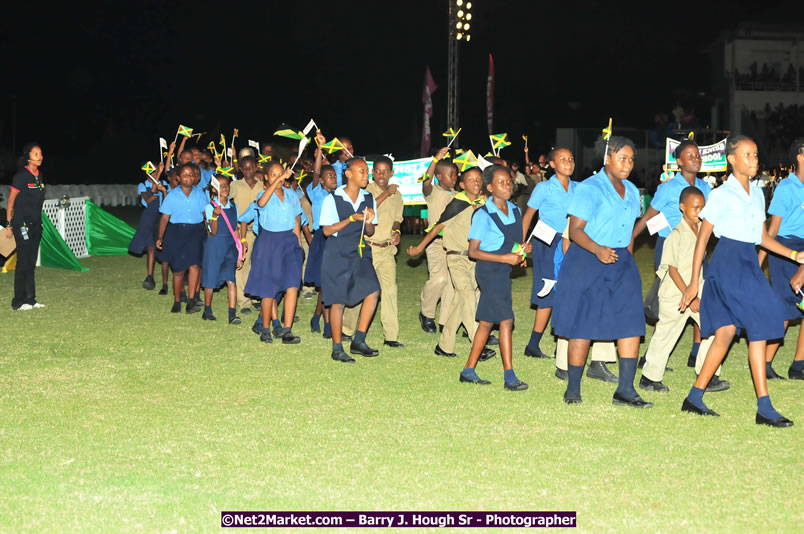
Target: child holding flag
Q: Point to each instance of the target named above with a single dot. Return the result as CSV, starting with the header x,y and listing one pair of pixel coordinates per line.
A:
x,y
347,217
151,193
277,256
494,245
182,232
221,256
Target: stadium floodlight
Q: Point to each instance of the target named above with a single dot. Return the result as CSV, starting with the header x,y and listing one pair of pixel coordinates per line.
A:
x,y
466,26
459,3
459,25
468,5
468,16
460,14
460,36
468,37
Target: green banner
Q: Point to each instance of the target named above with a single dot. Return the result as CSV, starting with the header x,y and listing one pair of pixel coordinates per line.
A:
x,y
54,252
106,235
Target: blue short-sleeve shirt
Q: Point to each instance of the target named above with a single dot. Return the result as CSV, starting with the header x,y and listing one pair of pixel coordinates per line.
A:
x,y
609,217
317,195
788,203
734,213
206,177
185,209
667,198
484,229
339,167
251,214
278,215
210,208
551,201
146,187
329,212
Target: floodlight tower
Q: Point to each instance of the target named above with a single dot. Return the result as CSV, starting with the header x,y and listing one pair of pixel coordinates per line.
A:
x,y
460,16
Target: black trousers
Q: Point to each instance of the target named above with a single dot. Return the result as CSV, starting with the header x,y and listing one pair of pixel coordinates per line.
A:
x,y
27,252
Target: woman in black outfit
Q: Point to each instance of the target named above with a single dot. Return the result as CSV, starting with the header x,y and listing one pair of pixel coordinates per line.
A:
x,y
24,211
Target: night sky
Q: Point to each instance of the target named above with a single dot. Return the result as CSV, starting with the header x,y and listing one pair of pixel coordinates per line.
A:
x,y
97,87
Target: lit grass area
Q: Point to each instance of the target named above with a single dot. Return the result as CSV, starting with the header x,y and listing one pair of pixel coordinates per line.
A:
x,y
120,416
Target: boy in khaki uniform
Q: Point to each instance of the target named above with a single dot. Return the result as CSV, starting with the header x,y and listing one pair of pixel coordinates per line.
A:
x,y
383,249
438,286
456,220
243,192
675,271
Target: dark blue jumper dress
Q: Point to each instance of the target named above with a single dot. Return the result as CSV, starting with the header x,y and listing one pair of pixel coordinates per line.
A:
x,y
494,279
346,278
220,252
312,273
147,230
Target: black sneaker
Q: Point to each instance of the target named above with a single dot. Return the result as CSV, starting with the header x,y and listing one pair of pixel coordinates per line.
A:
x,y
149,283
649,385
599,371
486,354
716,384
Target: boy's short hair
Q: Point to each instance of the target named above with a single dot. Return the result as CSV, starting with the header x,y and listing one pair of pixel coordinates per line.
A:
x,y
248,158
325,168
384,159
689,191
443,164
796,148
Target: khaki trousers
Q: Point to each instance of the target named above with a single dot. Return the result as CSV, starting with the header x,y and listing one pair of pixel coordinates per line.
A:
x,y
602,351
463,307
384,261
668,330
241,276
438,285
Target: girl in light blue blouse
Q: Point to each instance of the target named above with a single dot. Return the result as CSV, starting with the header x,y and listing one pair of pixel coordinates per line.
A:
x,y
599,291
737,293
277,257
551,199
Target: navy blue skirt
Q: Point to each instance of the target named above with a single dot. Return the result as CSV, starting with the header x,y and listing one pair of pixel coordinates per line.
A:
x,y
146,234
276,264
781,271
346,278
736,292
312,273
184,245
494,280
220,260
598,301
544,266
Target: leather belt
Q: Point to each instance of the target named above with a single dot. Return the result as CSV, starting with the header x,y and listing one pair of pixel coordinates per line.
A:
x,y
457,252
383,244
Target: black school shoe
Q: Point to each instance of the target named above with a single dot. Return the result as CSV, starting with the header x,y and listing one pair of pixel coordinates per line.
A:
x,y
149,283
772,375
535,354
245,311
487,354
258,329
479,381
287,337
441,352
235,320
363,349
688,406
574,398
795,374
599,371
649,385
716,384
493,340
193,306
428,324
516,386
209,317
163,291
394,344
342,357
265,337
176,307
781,422
634,402
562,374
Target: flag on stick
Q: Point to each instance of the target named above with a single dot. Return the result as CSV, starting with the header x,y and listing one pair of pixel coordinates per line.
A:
x,y
451,135
288,133
254,144
606,136
465,161
226,171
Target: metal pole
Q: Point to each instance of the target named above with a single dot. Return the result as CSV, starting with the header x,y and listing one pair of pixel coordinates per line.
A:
x,y
452,69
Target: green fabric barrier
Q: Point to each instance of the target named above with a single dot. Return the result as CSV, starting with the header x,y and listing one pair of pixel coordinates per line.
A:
x,y
106,235
54,252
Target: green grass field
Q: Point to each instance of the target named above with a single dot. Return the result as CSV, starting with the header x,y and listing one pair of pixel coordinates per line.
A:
x,y
119,416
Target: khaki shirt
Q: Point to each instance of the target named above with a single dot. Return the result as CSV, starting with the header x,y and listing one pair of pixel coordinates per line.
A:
x,y
243,195
389,212
456,231
679,247
307,208
437,200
